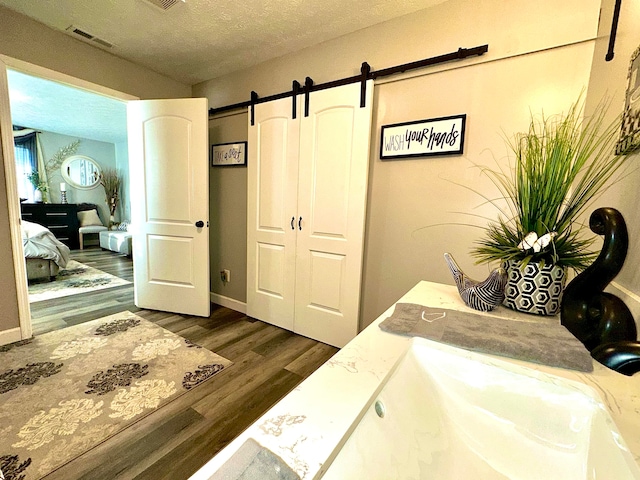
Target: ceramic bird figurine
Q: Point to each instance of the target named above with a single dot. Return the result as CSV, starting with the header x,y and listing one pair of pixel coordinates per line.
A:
x,y
483,296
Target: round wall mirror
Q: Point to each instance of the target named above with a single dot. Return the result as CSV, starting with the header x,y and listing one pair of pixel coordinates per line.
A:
x,y
81,172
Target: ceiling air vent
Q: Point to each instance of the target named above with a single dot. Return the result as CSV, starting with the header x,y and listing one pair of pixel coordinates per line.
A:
x,y
87,37
164,5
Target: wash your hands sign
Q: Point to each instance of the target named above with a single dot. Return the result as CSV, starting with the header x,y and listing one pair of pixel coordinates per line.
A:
x,y
423,138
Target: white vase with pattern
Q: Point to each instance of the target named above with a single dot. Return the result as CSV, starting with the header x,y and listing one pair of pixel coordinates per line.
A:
x,y
534,289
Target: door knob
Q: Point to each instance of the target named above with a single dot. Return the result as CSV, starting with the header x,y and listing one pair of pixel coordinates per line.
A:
x,y
199,224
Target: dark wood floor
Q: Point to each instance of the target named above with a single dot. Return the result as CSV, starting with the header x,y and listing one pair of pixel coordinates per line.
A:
x,y
177,439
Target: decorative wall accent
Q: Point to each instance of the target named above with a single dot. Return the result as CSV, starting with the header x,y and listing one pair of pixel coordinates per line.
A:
x,y
630,132
54,163
423,138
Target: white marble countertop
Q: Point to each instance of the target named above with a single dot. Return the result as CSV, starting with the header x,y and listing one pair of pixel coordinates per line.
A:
x,y
306,426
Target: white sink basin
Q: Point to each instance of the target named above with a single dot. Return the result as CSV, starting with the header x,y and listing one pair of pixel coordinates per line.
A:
x,y
453,414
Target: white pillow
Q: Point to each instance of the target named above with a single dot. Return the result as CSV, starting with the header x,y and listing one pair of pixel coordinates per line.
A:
x,y
89,218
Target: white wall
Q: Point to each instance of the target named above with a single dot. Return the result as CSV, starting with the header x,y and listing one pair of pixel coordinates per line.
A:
x,y
413,204
228,213
609,79
123,213
25,39
103,153
539,58
510,28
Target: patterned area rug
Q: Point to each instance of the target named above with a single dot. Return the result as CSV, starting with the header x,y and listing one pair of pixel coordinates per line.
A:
x,y
75,278
65,392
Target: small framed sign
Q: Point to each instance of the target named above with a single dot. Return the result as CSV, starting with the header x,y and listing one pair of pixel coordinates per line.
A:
x,y
229,154
423,138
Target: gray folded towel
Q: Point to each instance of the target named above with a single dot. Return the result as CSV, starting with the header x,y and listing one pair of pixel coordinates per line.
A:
x,y
254,462
551,345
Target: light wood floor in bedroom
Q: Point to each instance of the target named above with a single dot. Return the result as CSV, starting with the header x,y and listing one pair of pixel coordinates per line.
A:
x,y
176,440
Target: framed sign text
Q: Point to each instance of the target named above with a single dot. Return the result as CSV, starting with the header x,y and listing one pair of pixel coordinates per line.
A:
x,y
423,138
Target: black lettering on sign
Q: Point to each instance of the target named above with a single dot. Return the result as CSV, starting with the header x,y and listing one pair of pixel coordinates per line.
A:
x,y
438,136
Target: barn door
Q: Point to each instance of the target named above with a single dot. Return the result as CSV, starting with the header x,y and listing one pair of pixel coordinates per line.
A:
x,y
271,213
307,184
332,191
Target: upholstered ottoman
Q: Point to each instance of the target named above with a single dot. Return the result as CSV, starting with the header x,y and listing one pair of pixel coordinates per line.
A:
x,y
116,241
41,269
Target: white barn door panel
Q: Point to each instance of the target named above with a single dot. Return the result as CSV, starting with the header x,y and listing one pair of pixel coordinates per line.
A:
x,y
332,190
271,224
307,183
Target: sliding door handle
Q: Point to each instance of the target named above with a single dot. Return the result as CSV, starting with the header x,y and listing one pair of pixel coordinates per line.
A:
x,y
300,223
293,219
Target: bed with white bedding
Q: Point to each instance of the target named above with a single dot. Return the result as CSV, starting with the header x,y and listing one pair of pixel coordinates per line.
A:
x,y
44,253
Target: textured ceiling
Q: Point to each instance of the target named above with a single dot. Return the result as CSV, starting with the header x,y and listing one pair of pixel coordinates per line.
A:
x,y
53,107
192,42
202,39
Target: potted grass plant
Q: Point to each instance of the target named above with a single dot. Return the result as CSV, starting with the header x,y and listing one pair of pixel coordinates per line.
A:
x,y
111,182
561,165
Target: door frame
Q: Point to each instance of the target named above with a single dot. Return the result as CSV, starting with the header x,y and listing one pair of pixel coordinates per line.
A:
x,y
13,201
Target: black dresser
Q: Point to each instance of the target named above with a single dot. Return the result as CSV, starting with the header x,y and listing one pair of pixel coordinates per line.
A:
x,y
60,218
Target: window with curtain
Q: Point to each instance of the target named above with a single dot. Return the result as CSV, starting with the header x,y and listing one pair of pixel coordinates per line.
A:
x,y
26,163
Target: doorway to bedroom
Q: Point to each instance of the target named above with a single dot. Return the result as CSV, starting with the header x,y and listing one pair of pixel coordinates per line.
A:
x,y
72,175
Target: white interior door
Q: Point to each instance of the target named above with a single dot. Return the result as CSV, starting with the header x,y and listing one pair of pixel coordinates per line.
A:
x,y
272,182
333,171
168,163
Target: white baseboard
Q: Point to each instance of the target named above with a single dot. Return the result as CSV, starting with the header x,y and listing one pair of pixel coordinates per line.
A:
x,y
231,303
10,336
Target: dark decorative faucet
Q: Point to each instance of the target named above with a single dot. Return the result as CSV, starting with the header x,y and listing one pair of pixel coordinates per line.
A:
x,y
600,320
